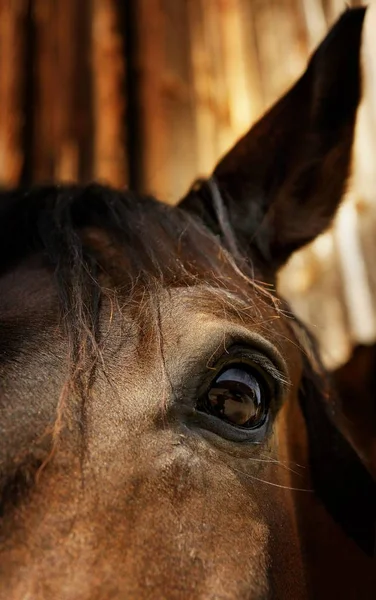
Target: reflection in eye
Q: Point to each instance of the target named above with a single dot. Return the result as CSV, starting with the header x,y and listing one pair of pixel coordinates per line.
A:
x,y
237,396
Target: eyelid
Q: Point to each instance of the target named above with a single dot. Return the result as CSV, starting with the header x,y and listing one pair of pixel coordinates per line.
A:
x,y
241,353
267,365
241,337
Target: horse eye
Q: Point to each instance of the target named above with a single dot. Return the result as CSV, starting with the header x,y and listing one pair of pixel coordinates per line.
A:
x,y
237,396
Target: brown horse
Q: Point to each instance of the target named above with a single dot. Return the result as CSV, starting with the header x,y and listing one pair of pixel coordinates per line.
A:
x,y
164,419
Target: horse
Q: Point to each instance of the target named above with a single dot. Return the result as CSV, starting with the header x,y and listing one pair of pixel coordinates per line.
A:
x,y
167,430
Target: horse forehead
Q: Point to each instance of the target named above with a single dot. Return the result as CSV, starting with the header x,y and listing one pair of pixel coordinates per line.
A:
x,y
182,331
202,316
26,289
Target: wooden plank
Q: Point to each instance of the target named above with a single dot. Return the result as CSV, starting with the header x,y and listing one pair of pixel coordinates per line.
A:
x,y
315,21
216,84
54,155
108,94
150,22
166,98
207,120
12,29
82,118
178,101
236,81
280,30
62,127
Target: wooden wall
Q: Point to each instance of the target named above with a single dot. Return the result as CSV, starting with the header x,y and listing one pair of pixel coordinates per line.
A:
x,y
62,91
147,92
209,68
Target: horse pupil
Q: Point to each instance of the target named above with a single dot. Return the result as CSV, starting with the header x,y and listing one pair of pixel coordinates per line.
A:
x,y
236,397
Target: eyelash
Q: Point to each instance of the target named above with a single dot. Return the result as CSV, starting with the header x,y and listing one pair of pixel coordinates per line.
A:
x,y
257,361
273,377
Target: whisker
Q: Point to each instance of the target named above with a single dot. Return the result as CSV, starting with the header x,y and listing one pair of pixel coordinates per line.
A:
x,y
287,462
277,463
284,466
277,485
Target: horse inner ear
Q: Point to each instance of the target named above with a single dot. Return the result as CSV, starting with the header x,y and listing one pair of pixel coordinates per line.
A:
x,y
282,182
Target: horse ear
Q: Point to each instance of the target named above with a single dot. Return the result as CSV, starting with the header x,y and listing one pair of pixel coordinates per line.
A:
x,y
283,181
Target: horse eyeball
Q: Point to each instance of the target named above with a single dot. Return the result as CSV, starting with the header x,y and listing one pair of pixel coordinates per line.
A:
x,y
237,396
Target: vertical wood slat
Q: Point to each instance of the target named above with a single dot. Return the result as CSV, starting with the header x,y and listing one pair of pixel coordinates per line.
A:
x,y
239,98
63,117
214,49
268,49
178,99
315,21
12,48
281,39
166,98
251,59
108,94
55,156
207,118
82,121
150,22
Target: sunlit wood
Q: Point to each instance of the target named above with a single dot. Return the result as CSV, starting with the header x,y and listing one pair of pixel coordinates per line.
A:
x,y
12,79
